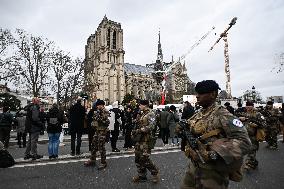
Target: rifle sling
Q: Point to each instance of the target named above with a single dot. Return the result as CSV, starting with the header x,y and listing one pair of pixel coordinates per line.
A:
x,y
214,132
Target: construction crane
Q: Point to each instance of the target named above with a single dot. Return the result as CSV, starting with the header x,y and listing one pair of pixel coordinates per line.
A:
x,y
174,63
226,54
187,53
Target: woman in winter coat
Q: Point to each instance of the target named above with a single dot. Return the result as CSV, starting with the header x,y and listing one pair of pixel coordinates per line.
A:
x,y
172,119
128,127
55,119
20,127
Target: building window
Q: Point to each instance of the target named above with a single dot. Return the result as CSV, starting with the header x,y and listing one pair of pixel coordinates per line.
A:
x,y
108,37
114,59
114,40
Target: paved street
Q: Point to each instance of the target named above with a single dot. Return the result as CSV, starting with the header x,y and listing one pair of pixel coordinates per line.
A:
x,y
72,173
18,153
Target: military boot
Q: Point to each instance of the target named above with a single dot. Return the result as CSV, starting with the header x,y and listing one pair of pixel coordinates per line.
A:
x,y
102,166
273,147
137,179
156,178
90,163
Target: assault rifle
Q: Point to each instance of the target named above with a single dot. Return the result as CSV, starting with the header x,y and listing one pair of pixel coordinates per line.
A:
x,y
190,138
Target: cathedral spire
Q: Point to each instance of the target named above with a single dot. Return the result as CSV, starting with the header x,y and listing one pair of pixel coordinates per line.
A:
x,y
160,53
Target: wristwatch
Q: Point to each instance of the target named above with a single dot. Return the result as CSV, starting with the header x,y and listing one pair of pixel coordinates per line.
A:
x,y
212,155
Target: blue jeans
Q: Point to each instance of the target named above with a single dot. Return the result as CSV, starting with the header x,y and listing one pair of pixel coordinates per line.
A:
x,y
53,143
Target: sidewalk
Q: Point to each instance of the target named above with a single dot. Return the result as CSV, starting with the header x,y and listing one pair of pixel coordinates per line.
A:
x,y
65,149
43,139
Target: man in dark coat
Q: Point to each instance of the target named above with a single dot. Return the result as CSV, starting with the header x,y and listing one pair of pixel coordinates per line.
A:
x,y
165,125
77,116
6,119
188,111
229,108
33,126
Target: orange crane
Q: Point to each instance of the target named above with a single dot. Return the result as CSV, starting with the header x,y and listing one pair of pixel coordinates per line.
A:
x,y
226,54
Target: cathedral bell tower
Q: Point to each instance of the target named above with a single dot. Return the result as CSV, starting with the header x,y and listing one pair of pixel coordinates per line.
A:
x,y
104,58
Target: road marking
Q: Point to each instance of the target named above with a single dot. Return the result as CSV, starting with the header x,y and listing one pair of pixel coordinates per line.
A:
x,y
84,159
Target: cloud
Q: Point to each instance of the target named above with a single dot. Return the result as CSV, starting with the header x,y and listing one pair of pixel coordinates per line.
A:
x,y
253,41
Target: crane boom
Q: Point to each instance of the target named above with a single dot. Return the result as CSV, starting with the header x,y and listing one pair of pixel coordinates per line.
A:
x,y
226,54
187,53
233,22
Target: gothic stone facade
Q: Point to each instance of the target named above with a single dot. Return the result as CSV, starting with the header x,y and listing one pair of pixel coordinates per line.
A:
x,y
107,76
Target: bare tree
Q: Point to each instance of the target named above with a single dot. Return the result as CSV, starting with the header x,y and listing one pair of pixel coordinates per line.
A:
x,y
34,56
279,61
73,84
61,65
8,62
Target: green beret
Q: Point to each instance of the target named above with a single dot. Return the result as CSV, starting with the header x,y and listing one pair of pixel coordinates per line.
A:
x,y
144,102
206,86
269,102
100,102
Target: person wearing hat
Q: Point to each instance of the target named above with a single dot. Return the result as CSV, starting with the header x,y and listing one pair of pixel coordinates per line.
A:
x,y
141,136
272,117
221,145
101,123
229,108
253,121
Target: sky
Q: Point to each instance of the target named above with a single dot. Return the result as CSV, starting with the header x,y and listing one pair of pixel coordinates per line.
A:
x,y
254,41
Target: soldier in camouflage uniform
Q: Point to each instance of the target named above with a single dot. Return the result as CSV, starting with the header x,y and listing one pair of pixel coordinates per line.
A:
x,y
142,136
100,123
272,117
222,142
253,120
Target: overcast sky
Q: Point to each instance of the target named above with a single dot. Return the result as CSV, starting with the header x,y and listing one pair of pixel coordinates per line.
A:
x,y
253,42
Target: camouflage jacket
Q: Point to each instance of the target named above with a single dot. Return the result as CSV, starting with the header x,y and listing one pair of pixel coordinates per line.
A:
x,y
272,117
254,120
101,119
145,121
232,141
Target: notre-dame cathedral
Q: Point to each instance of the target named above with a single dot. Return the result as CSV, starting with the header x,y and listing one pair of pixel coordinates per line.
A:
x,y
110,78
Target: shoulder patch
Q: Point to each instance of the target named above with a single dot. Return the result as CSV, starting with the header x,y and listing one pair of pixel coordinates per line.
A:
x,y
262,117
237,123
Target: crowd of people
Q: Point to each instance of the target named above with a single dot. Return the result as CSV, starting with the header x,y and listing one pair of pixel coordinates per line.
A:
x,y
224,135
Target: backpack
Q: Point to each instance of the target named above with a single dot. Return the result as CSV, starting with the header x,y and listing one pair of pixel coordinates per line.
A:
x,y
154,133
5,119
6,160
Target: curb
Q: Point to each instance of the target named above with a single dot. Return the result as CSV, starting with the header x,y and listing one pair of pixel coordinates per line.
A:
x,y
45,140
21,161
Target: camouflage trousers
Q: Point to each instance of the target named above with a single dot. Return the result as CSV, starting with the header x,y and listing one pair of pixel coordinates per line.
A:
x,y
98,144
271,136
197,177
251,160
143,161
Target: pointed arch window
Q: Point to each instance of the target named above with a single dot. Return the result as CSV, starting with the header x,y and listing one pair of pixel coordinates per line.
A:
x,y
108,37
114,39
